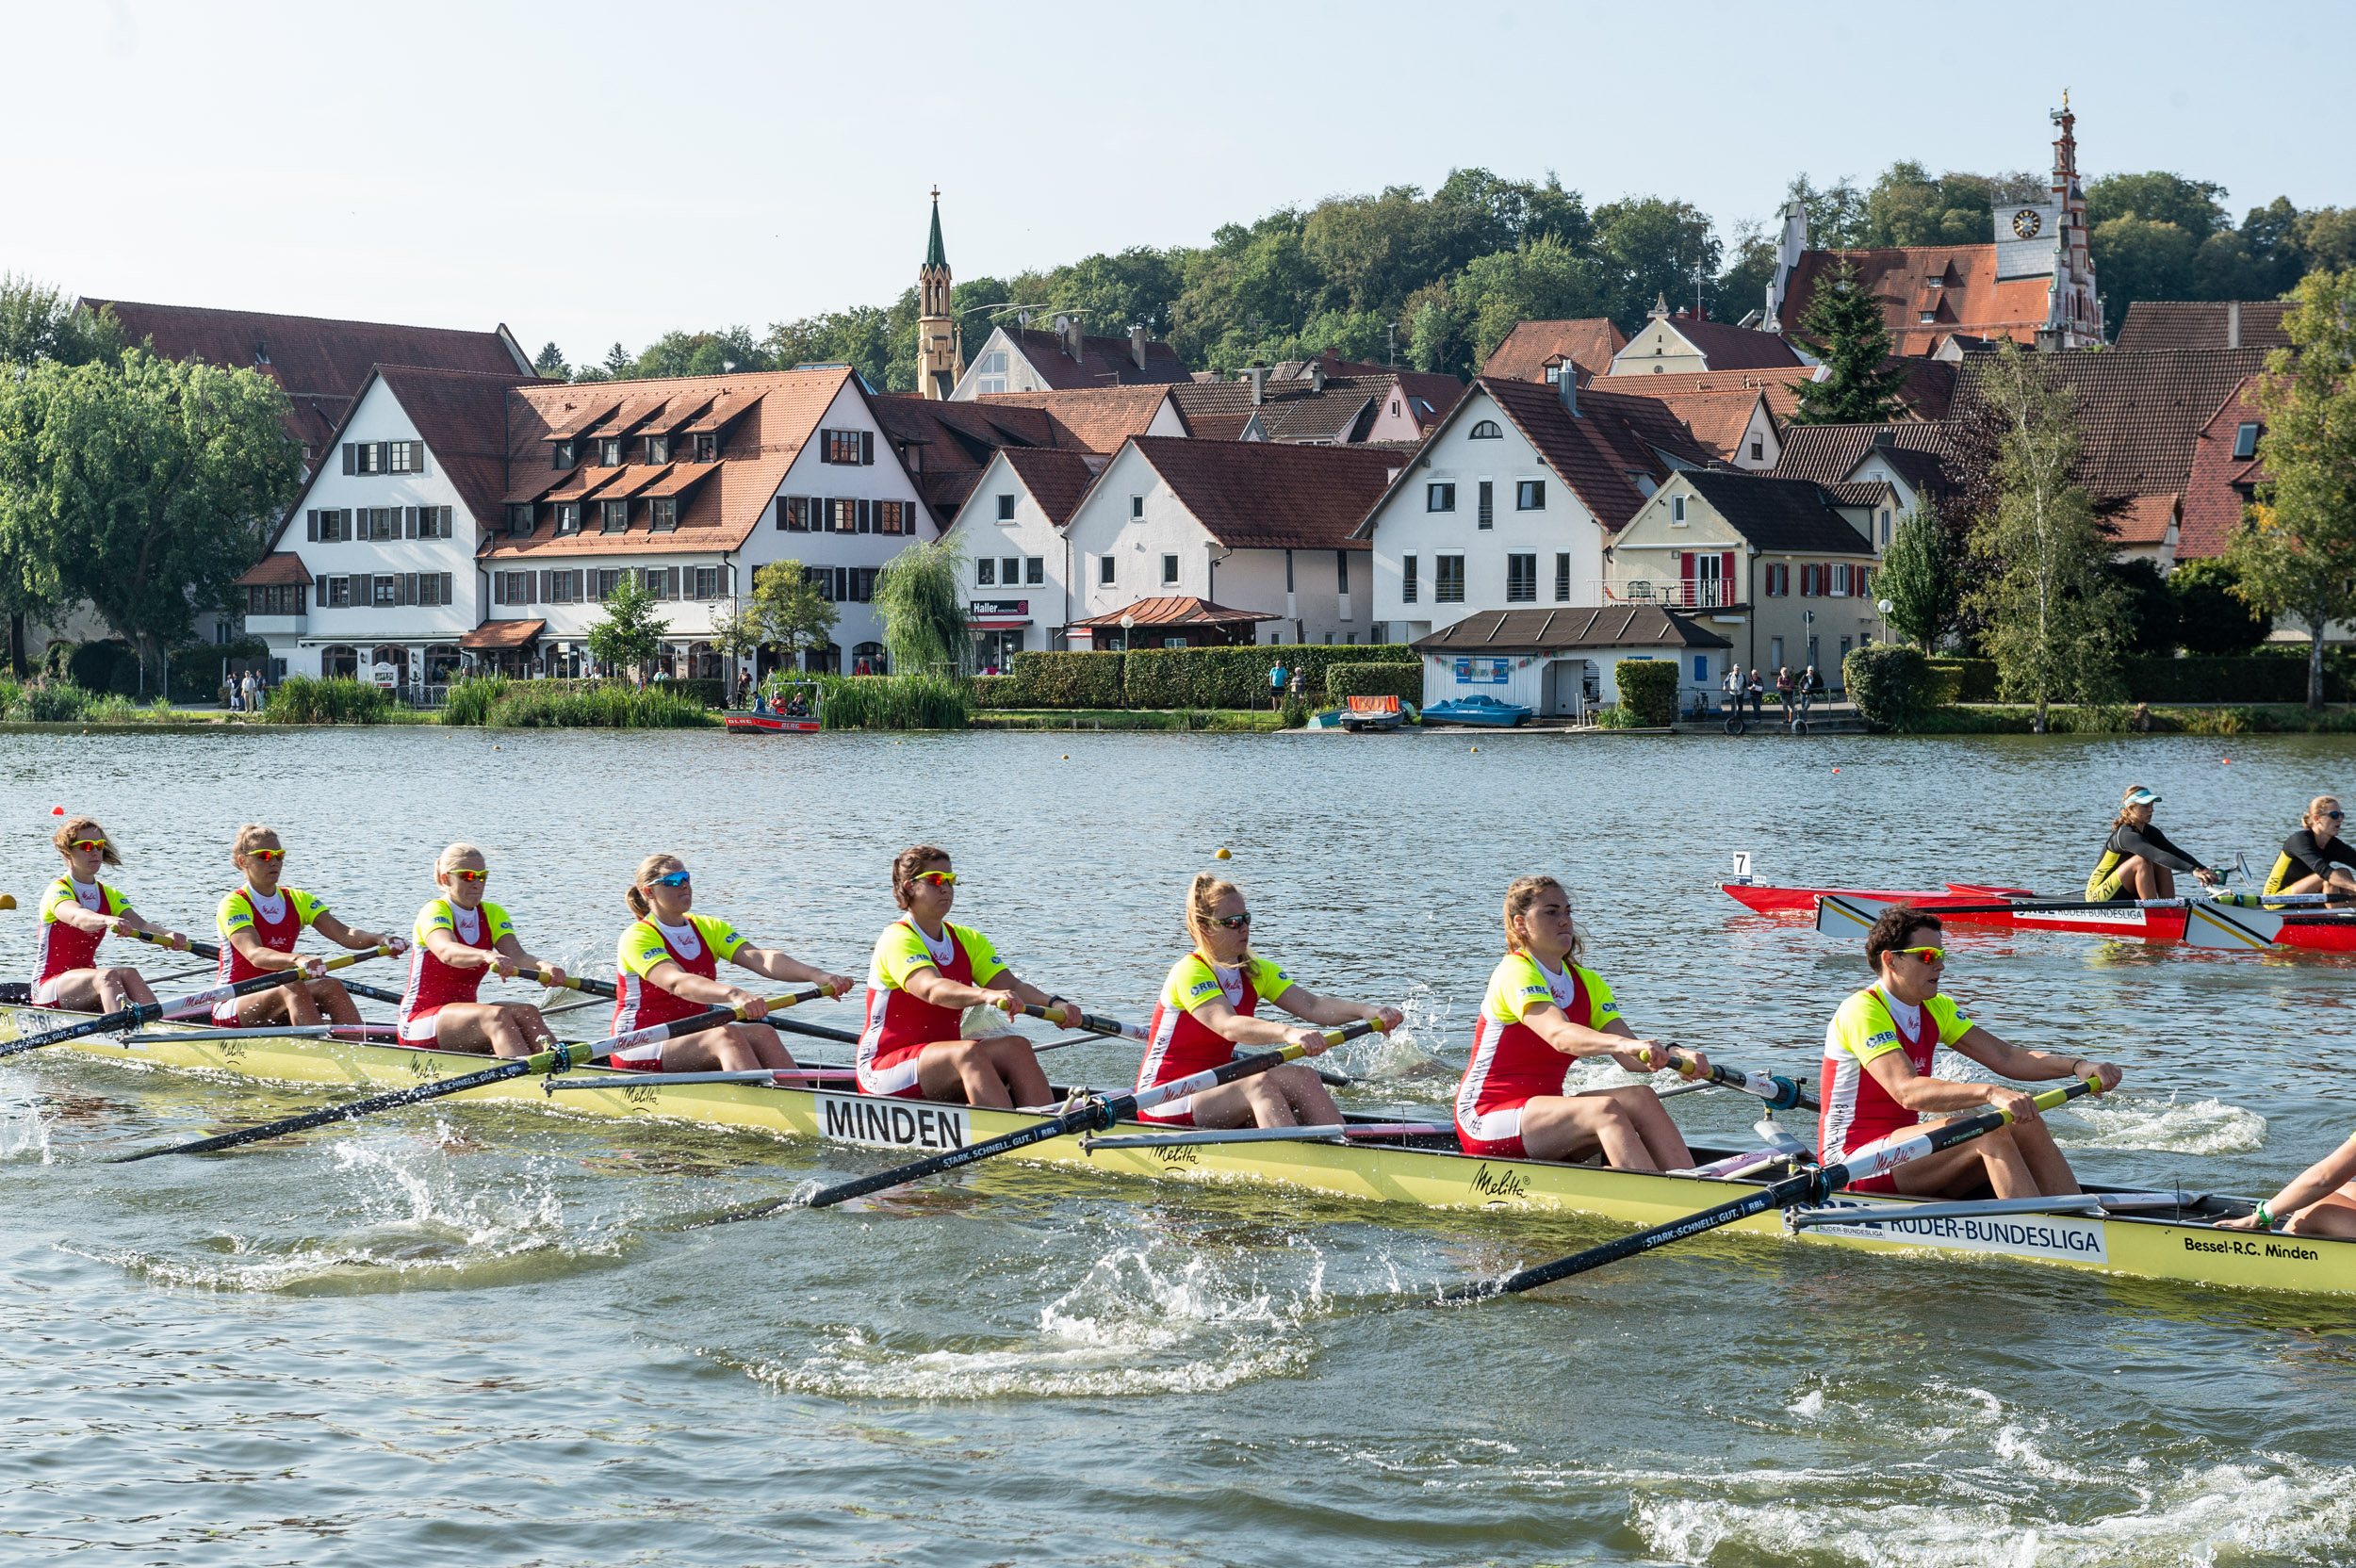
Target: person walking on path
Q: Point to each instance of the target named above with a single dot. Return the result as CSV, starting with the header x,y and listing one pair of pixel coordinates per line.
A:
x,y
1276,674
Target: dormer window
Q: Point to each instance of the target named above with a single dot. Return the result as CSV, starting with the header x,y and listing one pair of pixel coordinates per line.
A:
x,y
658,450
1485,429
662,514
2245,441
707,448
518,519
615,516
1554,375
610,452
1643,482
563,455
567,517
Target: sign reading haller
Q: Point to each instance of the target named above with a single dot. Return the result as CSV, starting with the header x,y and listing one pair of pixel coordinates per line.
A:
x,y
880,1123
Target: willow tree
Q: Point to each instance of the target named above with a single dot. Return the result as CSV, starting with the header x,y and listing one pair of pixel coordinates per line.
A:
x,y
920,596
2056,618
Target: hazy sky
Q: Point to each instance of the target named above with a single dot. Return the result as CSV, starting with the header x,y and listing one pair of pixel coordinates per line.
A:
x,y
588,173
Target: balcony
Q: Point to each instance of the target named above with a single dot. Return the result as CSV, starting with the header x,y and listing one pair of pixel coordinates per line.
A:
x,y
1670,593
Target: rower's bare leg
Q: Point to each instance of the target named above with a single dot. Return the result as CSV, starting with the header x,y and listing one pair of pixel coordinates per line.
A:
x,y
998,1072
1570,1127
1305,1092
102,990
2048,1167
2149,879
1990,1163
334,1000
1662,1141
1246,1102
500,1028
288,1004
2333,1215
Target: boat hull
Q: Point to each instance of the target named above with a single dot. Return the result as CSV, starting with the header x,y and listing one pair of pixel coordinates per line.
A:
x,y
768,723
2318,933
1439,1178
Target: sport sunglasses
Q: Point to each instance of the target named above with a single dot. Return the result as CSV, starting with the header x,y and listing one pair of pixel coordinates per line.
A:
x,y
268,855
1928,956
85,845
465,876
1232,923
675,879
938,879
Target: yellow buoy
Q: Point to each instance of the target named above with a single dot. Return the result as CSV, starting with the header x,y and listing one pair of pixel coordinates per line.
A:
x,y
1222,855
1475,748
8,901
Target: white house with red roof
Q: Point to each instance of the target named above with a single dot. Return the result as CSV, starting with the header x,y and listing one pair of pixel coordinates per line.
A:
x,y
1679,344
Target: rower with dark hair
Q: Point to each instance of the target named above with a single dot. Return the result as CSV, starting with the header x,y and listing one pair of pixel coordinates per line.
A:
x,y
1877,1076
2138,862
2316,859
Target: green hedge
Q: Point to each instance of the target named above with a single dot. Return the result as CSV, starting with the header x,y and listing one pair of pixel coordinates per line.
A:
x,y
1067,680
995,691
1186,678
615,705
1648,689
2252,677
1973,679
1403,681
1891,684
104,666
711,692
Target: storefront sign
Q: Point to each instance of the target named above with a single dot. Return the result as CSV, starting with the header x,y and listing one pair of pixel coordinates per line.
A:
x,y
998,607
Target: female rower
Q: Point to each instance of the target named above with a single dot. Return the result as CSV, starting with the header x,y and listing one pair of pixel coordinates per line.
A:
x,y
1542,1012
2138,862
926,973
2321,1203
2316,859
259,923
1209,1006
76,913
459,935
668,968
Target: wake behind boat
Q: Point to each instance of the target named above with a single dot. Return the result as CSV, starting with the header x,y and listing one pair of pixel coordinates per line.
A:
x,y
2110,1230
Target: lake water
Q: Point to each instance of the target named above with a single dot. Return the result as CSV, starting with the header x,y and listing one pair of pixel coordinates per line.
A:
x,y
480,1335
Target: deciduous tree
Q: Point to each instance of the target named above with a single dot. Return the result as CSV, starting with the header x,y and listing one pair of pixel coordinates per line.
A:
x,y
1918,576
788,611
630,634
920,598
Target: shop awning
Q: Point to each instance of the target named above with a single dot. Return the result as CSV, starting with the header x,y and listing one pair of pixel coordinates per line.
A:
x,y
995,623
501,636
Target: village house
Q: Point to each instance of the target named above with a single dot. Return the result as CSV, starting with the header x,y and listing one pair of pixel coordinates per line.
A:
x,y
1781,569
1018,557
1563,662
1512,498
1198,542
1537,350
2224,477
1397,406
2203,324
1024,359
1681,344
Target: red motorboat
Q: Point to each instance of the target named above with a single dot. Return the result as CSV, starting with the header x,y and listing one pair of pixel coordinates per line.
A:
x,y
754,721
1981,904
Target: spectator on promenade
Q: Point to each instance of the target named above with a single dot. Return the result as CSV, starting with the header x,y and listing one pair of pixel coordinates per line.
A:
x,y
744,689
245,692
1299,686
1733,686
1757,691
1276,674
1783,690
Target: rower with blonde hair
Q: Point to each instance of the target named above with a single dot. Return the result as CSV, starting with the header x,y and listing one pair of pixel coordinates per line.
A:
x,y
460,934
1210,1004
667,967
926,973
2316,859
1542,1013
260,923
78,912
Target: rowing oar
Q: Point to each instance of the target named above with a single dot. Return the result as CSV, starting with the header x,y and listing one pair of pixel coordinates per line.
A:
x,y
147,1012
1063,1018
2206,924
1781,1093
1808,1187
207,950
1097,1115
554,1060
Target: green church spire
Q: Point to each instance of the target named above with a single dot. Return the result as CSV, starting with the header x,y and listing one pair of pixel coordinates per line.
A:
x,y
934,254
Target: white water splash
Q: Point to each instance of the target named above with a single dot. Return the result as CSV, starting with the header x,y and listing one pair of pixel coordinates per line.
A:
x,y
25,1127
1411,1050
1129,1327
2206,1126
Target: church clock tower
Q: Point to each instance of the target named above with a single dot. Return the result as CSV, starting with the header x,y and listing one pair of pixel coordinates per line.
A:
x,y
939,346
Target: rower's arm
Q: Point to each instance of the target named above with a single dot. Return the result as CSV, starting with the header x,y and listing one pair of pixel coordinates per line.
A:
x,y
2320,1180
1554,1026
1245,1028
1331,1012
2032,1066
773,965
929,984
131,920
334,930
513,951
260,953
667,975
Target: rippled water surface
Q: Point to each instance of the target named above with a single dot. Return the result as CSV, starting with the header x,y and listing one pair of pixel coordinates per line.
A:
x,y
491,1336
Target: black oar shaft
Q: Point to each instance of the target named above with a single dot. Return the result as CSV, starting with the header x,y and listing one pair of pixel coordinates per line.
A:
x,y
147,1012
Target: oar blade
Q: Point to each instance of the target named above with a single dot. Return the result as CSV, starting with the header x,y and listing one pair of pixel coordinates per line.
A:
x,y
2235,930
1846,915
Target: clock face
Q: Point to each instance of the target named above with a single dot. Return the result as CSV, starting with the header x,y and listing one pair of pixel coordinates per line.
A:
x,y
2026,223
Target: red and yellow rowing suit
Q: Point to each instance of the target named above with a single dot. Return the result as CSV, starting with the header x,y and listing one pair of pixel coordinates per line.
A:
x,y
899,1026
1857,1108
696,947
1512,1064
66,948
278,920
1178,1044
435,985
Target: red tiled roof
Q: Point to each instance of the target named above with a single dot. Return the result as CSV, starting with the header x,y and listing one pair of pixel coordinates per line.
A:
x,y
1716,420
2141,519
1056,480
1614,436
458,414
1967,298
1726,347
1177,609
2220,489
1095,418
1103,362
2137,413
1616,626
1531,345
781,411
1827,454
501,634
1299,410
321,363
279,566
1929,388
1258,495
2202,324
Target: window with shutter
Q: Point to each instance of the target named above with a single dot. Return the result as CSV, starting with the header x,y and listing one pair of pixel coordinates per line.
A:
x,y
409,522
384,458
311,525
446,587
1488,505
1562,577
866,516
867,447
417,456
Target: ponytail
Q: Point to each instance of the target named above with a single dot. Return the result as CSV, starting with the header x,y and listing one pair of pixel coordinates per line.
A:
x,y
648,869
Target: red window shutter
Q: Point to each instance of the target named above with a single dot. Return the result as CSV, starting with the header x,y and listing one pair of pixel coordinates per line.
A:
x,y
1726,575
1685,564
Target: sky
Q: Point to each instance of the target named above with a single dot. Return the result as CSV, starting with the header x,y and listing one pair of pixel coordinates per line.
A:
x,y
591,172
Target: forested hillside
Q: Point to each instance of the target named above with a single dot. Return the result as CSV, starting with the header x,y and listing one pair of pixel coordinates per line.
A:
x,y
1439,279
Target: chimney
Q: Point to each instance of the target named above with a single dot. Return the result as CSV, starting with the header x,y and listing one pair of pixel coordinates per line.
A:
x,y
2232,323
1316,375
1566,388
1885,438
1257,376
1136,345
1068,329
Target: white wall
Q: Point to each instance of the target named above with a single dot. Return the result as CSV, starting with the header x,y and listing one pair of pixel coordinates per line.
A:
x,y
1403,526
299,640
1659,348
1030,535
1531,679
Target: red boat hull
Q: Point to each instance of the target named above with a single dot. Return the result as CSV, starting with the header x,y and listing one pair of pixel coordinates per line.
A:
x,y
2317,933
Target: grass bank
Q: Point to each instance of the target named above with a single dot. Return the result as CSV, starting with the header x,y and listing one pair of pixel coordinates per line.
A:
x,y
496,703
2248,719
